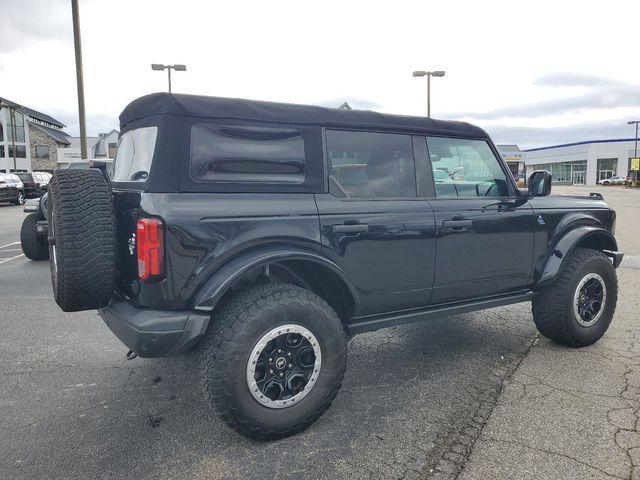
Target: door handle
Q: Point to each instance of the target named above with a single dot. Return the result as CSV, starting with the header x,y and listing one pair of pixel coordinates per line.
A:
x,y
457,225
350,228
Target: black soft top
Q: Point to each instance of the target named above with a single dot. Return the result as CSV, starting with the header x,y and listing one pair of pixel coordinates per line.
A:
x,y
197,106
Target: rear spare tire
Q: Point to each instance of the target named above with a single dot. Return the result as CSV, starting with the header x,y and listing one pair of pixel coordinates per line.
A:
x,y
82,240
34,246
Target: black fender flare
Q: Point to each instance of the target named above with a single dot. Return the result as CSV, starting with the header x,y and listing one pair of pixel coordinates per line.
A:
x,y
569,241
207,297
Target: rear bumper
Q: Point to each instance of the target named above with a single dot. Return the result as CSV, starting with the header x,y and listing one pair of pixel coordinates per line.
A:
x,y
154,333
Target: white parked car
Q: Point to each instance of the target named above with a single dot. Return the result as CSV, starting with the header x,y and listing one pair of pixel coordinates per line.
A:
x,y
613,181
42,178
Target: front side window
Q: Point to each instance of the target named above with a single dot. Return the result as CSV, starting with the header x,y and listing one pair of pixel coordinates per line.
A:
x,y
135,154
370,165
466,168
246,154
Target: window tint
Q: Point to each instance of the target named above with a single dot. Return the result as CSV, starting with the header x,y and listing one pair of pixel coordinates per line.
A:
x,y
465,168
368,164
134,157
247,154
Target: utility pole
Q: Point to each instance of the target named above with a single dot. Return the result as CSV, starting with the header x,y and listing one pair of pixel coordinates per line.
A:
x,y
12,114
79,78
635,149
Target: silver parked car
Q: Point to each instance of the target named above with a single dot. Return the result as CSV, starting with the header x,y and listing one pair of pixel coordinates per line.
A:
x,y
613,181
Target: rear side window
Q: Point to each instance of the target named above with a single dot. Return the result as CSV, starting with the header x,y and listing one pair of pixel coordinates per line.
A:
x,y
247,154
135,154
370,165
466,168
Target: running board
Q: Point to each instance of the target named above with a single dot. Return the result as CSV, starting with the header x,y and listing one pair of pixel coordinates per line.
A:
x,y
374,322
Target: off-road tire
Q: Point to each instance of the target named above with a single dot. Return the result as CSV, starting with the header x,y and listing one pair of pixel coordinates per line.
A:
x,y
34,246
552,308
82,240
236,328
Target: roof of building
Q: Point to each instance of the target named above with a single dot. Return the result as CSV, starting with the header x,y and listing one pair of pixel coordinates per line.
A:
x,y
58,135
580,143
253,110
508,148
34,113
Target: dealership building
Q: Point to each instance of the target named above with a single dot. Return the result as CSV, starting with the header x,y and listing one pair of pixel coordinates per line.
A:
x,y
582,163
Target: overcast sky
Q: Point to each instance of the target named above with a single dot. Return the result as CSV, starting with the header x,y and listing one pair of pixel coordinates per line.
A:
x,y
533,73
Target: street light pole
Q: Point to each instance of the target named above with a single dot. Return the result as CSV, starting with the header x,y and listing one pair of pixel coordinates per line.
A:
x,y
435,73
177,68
635,147
75,12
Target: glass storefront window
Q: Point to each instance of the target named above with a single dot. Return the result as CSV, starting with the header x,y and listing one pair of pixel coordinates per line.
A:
x,y
607,168
565,172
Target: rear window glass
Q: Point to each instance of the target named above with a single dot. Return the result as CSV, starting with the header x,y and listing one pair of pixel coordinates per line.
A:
x,y
25,177
247,154
134,155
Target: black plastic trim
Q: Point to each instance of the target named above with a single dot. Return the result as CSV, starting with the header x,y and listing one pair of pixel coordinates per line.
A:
x,y
154,333
374,322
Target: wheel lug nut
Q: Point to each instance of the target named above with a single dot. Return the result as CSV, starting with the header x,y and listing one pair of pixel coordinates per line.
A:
x,y
270,360
279,351
271,372
281,374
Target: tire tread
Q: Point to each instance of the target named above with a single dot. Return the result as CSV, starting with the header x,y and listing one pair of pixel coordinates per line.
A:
x,y
221,336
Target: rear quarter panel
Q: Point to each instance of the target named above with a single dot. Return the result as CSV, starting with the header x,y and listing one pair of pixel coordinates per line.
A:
x,y
205,230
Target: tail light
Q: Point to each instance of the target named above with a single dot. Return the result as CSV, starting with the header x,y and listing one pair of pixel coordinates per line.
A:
x,y
150,247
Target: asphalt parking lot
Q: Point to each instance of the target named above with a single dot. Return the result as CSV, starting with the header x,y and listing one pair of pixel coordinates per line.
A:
x,y
73,406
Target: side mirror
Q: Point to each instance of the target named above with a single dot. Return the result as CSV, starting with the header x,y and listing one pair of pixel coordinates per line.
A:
x,y
540,183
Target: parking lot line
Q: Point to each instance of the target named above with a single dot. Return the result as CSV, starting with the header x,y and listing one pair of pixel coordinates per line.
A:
x,y
9,244
11,258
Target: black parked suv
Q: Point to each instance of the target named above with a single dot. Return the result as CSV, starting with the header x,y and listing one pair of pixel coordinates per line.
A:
x,y
262,235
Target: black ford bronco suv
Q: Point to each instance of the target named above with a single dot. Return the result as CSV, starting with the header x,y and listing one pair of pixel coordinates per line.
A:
x,y
262,235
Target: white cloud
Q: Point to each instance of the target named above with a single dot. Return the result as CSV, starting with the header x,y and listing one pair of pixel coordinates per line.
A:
x,y
502,58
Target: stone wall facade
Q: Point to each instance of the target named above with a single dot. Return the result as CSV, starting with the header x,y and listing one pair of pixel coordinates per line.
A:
x,y
37,138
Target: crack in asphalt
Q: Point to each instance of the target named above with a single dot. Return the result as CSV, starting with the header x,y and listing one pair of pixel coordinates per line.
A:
x,y
616,358
452,450
551,452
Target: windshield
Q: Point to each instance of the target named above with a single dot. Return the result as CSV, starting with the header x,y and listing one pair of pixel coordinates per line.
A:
x,y
134,155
